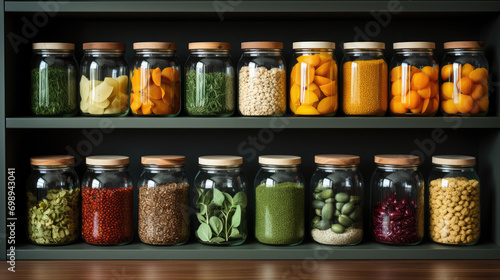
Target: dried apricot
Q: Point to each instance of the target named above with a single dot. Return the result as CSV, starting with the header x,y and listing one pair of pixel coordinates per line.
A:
x,y
449,107
447,90
447,72
396,106
483,103
434,89
431,72
325,70
327,105
411,100
475,109
465,85
329,89
304,74
314,88
171,74
477,91
425,93
465,103
396,73
320,81
420,80
478,75
156,76
308,97
466,69
400,86
312,60
324,57
306,110
295,94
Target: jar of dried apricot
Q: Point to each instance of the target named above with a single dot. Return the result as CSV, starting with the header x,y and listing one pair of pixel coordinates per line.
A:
x,y
364,79
464,74
313,79
414,79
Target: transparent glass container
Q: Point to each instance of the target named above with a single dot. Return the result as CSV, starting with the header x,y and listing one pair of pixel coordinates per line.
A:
x,y
364,79
262,79
221,201
107,201
464,79
279,201
454,201
414,80
337,200
155,80
210,81
104,84
53,201
397,206
54,73
313,79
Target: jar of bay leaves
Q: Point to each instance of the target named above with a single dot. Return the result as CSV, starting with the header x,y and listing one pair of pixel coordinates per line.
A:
x,y
210,80
279,201
54,73
53,191
221,201
337,200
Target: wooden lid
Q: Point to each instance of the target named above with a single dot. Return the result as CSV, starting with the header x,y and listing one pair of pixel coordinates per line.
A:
x,y
107,160
464,45
364,45
414,45
154,46
397,159
337,159
220,160
313,45
262,45
163,160
209,46
280,160
52,160
454,160
53,46
104,46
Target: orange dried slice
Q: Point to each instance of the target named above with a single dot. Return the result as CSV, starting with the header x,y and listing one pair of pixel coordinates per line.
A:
x,y
325,70
170,74
312,60
329,89
327,105
320,81
156,76
396,106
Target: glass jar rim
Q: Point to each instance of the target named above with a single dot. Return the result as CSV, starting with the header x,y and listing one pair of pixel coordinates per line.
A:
x,y
107,160
364,46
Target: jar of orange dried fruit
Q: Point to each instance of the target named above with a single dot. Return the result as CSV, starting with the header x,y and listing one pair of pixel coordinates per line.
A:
x,y
313,79
414,79
464,75
155,80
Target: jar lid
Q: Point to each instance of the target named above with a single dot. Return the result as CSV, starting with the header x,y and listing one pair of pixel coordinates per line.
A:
x,y
364,45
261,45
397,159
313,45
454,160
464,45
154,46
280,160
209,46
414,45
52,160
54,46
104,46
337,159
163,160
220,160
107,160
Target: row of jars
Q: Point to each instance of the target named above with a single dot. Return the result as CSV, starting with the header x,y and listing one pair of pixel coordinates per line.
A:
x,y
413,85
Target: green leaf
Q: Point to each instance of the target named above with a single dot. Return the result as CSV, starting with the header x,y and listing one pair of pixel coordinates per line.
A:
x,y
236,220
204,232
235,233
229,199
207,198
216,225
218,198
203,209
201,218
217,240
199,200
241,199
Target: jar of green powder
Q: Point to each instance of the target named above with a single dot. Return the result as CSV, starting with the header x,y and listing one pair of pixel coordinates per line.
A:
x,y
279,201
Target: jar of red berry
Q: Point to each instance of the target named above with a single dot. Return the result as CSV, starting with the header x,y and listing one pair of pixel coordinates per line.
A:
x,y
397,188
107,201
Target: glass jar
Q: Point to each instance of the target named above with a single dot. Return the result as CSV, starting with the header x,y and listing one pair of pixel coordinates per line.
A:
x,y
53,205
337,200
397,189
464,76
313,79
107,201
155,80
210,80
364,79
163,201
221,201
414,80
104,81
54,71
262,79
454,201
279,201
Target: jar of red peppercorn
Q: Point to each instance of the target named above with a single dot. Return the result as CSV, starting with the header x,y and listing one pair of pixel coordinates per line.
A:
x,y
397,200
107,201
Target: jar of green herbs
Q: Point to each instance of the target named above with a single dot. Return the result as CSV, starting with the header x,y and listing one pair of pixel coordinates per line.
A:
x,y
210,80
54,72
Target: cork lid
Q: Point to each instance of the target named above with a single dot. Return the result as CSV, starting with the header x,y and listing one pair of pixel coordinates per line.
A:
x,y
154,46
337,159
163,160
454,160
280,160
464,45
104,46
52,160
313,45
54,46
209,46
261,45
414,45
397,159
220,160
107,160
364,45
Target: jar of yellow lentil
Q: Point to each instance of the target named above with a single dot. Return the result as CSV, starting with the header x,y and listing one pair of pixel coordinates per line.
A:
x,y
364,79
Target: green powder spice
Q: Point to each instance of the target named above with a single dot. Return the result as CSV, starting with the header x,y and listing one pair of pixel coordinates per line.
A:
x,y
279,213
209,94
53,91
